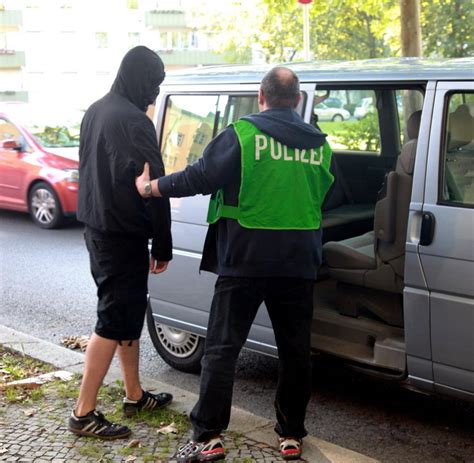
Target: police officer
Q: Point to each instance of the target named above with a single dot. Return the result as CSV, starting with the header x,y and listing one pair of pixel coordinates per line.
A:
x,y
268,174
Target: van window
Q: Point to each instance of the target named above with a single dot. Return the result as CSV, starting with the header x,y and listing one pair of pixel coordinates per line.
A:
x,y
457,172
233,107
350,118
408,102
191,121
188,128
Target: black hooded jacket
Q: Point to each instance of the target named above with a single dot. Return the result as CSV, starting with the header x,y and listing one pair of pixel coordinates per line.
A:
x,y
117,138
232,250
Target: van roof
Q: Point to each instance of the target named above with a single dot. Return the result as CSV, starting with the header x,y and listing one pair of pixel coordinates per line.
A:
x,y
385,70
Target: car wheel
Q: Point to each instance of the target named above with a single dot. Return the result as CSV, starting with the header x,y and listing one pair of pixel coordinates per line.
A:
x,y
337,118
44,206
180,349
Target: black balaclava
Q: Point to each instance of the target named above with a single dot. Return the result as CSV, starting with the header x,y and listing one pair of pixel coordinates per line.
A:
x,y
139,77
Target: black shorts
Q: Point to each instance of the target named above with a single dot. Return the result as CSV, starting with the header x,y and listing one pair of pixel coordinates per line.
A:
x,y
119,266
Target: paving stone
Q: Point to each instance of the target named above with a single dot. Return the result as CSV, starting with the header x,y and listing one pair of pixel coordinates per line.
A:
x,y
45,438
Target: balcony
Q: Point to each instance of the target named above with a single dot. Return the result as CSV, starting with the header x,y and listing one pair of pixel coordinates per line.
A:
x,y
10,20
165,19
12,95
11,59
191,57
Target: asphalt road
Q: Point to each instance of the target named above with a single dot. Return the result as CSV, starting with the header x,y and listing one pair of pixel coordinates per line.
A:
x,y
46,290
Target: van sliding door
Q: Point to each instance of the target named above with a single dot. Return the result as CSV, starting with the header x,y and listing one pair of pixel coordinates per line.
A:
x,y
446,246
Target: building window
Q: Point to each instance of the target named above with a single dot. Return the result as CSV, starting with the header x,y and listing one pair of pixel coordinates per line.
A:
x,y
200,138
164,40
132,4
101,40
179,138
133,39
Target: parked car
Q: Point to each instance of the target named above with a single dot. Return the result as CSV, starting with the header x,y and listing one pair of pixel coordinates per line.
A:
x,y
39,173
333,102
395,295
365,106
326,113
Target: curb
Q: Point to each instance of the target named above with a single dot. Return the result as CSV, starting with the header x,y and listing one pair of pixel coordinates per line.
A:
x,y
242,422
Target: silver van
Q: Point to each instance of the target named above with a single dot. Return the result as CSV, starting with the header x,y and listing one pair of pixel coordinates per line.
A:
x,y
395,294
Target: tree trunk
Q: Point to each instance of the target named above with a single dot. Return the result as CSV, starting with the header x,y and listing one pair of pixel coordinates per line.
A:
x,y
410,27
411,46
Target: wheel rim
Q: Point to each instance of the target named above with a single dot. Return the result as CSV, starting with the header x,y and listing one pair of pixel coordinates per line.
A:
x,y
177,342
43,206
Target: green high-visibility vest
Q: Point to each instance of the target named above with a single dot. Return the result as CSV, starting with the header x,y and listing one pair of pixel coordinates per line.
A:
x,y
281,188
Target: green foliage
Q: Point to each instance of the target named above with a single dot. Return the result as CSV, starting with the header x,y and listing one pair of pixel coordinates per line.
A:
x,y
339,29
448,28
57,137
362,135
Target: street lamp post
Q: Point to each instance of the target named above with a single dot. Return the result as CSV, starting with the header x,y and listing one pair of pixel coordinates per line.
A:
x,y
306,45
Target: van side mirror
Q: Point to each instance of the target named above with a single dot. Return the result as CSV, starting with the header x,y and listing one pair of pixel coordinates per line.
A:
x,y
11,144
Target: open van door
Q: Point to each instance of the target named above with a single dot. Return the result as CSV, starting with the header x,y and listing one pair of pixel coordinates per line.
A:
x,y
446,238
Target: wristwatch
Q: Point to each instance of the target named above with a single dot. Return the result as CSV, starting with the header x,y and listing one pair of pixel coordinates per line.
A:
x,y
147,189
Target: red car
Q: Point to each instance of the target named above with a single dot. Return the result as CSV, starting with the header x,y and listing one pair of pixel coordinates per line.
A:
x,y
39,173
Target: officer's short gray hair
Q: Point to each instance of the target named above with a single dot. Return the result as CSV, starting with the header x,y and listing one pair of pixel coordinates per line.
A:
x,y
281,88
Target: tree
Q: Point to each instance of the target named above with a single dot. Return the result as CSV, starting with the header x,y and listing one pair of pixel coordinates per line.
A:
x,y
340,29
448,28
410,27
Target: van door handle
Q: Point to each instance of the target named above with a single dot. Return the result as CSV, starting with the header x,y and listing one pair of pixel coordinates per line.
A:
x,y
427,228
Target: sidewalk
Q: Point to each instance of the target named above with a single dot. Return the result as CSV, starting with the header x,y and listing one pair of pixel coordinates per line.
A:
x,y
44,437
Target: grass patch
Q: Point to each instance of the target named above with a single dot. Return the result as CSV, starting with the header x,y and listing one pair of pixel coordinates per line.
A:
x,y
68,390
15,366
92,451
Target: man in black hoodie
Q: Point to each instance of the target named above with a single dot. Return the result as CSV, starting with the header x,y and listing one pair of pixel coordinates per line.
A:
x,y
269,174
116,140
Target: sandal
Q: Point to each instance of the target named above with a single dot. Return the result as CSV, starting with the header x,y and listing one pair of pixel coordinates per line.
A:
x,y
290,448
193,451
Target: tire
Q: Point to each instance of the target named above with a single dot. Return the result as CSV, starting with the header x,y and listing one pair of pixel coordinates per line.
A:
x,y
44,206
180,349
337,118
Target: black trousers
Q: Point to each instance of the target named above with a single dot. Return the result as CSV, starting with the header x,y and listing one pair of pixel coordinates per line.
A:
x,y
119,265
236,300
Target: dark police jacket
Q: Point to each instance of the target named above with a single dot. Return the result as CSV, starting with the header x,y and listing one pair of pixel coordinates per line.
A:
x,y
232,250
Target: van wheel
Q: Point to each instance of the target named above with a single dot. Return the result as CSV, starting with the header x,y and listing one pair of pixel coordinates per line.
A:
x,y
44,206
180,349
337,118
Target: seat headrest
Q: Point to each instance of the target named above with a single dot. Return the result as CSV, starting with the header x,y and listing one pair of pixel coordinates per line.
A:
x,y
413,125
460,126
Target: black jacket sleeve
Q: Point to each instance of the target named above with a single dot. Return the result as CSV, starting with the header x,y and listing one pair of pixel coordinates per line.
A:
x,y
146,150
215,169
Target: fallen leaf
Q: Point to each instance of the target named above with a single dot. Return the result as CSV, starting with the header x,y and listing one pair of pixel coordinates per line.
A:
x,y
29,411
169,429
131,458
134,443
75,342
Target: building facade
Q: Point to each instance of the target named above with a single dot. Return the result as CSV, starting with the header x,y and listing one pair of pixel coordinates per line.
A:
x,y
66,52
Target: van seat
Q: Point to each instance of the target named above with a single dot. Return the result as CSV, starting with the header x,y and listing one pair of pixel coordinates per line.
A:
x,y
342,217
347,220
376,260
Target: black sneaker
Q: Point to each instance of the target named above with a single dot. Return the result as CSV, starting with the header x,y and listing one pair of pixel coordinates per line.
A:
x,y
148,401
94,424
193,451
